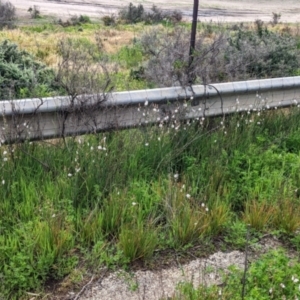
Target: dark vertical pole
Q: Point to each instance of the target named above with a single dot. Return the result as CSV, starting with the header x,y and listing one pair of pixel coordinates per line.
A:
x,y
193,36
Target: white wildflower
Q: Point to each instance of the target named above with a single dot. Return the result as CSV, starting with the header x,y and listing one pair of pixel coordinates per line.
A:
x,y
188,196
70,175
294,279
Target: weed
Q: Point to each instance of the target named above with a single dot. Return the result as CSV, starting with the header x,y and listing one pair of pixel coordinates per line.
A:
x,y
275,19
138,241
132,14
258,214
236,235
34,12
109,20
287,216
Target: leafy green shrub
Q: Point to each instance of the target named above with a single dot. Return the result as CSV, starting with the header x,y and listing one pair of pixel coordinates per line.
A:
x,y
21,75
236,235
7,15
132,14
109,20
83,19
75,21
155,15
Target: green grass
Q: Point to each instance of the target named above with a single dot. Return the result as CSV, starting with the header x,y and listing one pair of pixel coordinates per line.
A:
x,y
132,192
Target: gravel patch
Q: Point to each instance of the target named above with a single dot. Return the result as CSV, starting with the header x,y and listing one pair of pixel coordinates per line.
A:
x,y
154,285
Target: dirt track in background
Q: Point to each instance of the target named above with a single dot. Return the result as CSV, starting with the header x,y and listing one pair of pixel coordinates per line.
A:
x,y
215,10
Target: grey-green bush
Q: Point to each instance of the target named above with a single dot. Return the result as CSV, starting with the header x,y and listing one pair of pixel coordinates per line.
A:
x,y
260,54
219,55
21,75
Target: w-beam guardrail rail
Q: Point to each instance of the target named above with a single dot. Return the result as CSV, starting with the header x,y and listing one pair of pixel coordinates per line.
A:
x,y
36,119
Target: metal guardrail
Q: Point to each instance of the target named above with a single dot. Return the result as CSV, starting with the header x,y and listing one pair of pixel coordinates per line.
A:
x,y
35,119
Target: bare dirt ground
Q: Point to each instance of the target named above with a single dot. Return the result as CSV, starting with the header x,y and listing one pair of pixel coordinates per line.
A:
x,y
215,10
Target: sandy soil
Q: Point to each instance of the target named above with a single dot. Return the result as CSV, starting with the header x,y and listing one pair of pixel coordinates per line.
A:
x,y
215,10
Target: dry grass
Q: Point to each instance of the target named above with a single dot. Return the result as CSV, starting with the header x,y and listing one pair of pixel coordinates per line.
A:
x,y
44,45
